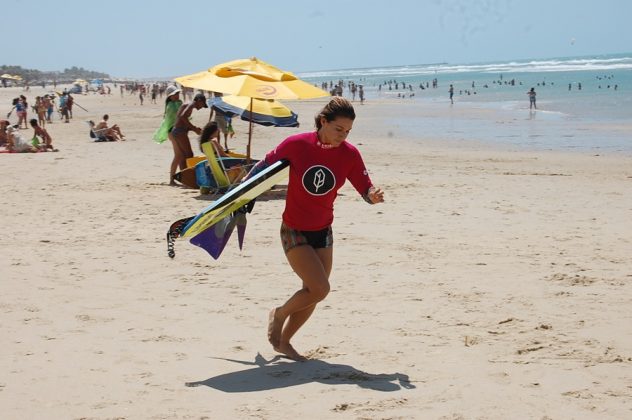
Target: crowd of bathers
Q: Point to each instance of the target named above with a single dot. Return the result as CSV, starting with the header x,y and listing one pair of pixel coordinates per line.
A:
x,y
15,138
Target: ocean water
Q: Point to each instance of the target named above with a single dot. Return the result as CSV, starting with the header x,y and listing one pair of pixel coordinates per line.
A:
x,y
596,117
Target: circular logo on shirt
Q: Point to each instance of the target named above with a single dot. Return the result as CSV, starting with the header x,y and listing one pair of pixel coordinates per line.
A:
x,y
318,180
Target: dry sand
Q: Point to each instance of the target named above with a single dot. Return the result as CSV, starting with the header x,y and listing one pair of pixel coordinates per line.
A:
x,y
491,284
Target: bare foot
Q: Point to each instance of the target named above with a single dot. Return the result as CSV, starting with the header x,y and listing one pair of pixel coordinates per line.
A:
x,y
289,351
275,325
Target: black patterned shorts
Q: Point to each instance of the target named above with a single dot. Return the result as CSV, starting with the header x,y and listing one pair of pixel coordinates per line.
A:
x,y
291,238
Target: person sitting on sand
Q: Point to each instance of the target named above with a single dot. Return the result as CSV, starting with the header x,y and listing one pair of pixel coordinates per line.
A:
x,y
113,132
40,132
16,143
210,133
3,133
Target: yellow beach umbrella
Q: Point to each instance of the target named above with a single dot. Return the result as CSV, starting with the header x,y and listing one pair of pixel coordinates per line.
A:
x,y
10,77
80,82
253,78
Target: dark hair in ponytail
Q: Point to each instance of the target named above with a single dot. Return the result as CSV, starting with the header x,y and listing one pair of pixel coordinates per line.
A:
x,y
337,107
207,132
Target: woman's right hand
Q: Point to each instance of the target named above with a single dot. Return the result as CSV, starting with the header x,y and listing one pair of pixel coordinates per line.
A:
x,y
376,195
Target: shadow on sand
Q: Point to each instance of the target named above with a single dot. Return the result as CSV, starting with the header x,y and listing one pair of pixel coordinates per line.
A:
x,y
278,373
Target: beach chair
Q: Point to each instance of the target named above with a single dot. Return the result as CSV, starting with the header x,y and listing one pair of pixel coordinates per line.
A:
x,y
98,135
226,172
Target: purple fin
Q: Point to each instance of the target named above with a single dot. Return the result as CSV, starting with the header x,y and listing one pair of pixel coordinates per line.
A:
x,y
241,228
214,239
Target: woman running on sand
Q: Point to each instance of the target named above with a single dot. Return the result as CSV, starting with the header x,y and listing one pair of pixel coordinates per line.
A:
x,y
320,163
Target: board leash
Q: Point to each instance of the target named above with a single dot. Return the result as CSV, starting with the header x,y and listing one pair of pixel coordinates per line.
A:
x,y
174,232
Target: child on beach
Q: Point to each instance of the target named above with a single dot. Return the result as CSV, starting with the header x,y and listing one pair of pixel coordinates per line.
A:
x,y
40,108
531,94
41,133
21,108
49,104
320,163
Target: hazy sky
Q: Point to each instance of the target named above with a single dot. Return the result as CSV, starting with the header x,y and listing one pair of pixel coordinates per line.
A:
x,y
172,38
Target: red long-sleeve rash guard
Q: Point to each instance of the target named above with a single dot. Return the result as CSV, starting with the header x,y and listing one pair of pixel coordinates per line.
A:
x,y
317,172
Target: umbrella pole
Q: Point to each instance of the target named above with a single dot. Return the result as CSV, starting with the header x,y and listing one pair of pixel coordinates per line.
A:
x,y
249,133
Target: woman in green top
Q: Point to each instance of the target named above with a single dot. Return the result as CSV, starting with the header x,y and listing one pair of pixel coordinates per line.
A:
x,y
172,105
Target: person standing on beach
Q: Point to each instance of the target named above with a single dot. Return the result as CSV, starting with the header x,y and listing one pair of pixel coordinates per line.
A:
x,y
172,105
320,163
181,128
21,108
63,106
48,105
69,102
451,91
220,118
531,94
41,109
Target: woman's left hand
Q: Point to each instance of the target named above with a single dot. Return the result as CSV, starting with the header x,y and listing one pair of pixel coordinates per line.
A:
x,y
376,195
